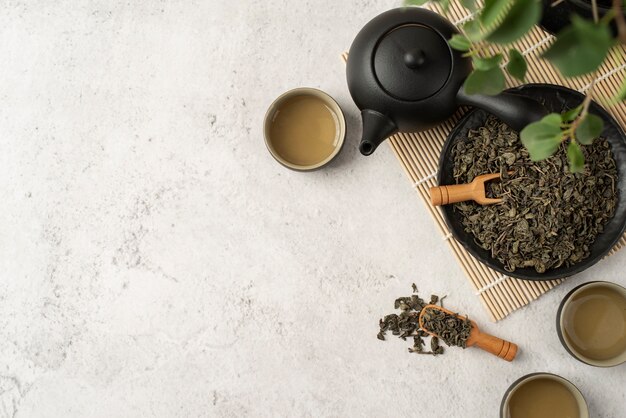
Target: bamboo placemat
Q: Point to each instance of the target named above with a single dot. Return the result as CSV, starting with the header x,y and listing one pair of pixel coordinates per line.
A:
x,y
418,154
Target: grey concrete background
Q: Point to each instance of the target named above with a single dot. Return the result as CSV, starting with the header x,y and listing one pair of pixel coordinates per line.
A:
x,y
155,261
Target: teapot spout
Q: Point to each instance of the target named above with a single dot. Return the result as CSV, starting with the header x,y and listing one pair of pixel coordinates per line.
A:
x,y
376,128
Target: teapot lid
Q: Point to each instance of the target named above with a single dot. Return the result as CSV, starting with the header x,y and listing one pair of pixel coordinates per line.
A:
x,y
412,62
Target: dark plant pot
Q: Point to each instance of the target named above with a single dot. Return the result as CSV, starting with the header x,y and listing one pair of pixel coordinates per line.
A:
x,y
556,99
556,18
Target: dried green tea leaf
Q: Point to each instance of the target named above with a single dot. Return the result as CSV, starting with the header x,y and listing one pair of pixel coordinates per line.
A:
x,y
589,129
451,329
580,48
488,82
517,64
575,157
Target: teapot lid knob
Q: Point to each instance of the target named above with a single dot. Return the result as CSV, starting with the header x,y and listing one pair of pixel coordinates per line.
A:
x,y
414,58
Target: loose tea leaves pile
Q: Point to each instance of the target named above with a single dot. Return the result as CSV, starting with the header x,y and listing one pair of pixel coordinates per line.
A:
x,y
549,217
406,324
452,329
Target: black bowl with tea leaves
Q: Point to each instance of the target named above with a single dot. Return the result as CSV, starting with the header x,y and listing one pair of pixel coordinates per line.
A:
x,y
552,223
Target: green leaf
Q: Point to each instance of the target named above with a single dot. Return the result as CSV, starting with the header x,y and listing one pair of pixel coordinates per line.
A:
x,y
460,42
575,157
493,12
473,31
415,2
517,65
580,48
589,129
484,64
488,82
522,16
571,114
542,138
469,5
553,119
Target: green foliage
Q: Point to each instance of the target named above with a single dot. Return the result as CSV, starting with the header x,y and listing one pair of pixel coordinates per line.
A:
x,y
543,138
517,65
489,82
580,48
571,114
473,31
519,19
575,157
589,128
460,42
493,12
485,64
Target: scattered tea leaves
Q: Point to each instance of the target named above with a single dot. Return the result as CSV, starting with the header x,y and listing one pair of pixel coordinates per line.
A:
x,y
550,216
453,331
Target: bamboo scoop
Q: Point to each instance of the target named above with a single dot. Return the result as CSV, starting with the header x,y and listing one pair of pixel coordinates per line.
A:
x,y
494,345
442,195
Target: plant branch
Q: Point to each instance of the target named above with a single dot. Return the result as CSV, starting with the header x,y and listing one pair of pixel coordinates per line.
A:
x,y
594,8
570,132
620,21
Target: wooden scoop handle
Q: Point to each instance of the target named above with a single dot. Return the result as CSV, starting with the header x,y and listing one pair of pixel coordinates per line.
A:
x,y
443,195
494,345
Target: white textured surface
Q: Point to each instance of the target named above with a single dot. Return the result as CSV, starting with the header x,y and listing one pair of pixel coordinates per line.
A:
x,y
155,261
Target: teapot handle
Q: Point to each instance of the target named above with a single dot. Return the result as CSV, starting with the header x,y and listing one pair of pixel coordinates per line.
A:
x,y
515,110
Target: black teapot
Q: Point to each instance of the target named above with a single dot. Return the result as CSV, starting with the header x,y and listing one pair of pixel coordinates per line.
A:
x,y
404,76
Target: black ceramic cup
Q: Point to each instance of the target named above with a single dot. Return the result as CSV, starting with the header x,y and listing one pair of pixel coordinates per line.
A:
x,y
505,411
566,341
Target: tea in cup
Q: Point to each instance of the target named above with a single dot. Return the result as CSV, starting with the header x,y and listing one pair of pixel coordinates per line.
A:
x,y
304,129
543,395
591,323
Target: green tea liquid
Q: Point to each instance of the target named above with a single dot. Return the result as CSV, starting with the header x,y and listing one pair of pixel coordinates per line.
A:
x,y
594,323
